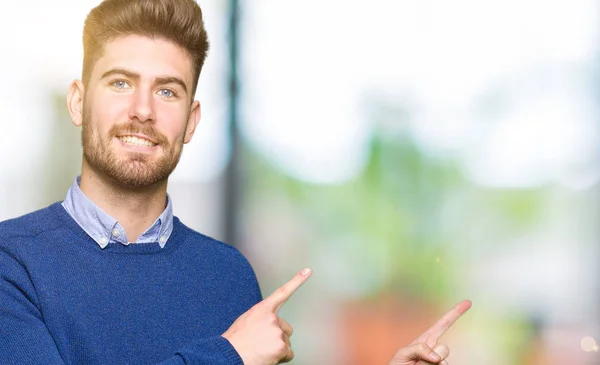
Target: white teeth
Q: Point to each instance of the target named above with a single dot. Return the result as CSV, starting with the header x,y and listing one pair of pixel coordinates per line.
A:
x,y
136,141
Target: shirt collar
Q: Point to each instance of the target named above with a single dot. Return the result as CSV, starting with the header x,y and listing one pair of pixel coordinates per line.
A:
x,y
104,229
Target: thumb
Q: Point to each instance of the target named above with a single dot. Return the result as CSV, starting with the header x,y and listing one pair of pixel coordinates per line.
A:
x,y
419,351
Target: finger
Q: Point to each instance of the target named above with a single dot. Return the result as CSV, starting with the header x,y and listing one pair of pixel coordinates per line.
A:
x,y
431,336
442,350
289,356
415,352
274,301
287,341
285,327
423,362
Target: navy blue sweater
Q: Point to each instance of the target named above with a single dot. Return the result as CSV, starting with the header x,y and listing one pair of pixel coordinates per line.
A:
x,y
64,300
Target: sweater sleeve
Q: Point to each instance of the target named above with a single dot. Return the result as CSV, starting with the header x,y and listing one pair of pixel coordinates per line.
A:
x,y
218,350
25,338
210,351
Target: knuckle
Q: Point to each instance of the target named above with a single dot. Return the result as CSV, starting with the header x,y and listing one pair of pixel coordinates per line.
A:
x,y
442,350
281,291
423,348
285,326
281,347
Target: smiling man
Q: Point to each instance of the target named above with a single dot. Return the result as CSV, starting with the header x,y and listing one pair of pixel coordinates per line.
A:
x,y
110,275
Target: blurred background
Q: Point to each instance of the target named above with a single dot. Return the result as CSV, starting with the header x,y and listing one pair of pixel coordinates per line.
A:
x,y
414,153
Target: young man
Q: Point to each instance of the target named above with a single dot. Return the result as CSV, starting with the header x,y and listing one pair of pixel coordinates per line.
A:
x,y
109,275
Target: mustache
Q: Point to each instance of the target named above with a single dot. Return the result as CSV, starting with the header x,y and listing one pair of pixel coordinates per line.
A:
x,y
138,128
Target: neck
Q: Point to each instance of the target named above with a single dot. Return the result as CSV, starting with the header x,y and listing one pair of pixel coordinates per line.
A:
x,y
135,209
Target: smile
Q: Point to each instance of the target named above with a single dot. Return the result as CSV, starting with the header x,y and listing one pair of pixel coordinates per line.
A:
x,y
136,141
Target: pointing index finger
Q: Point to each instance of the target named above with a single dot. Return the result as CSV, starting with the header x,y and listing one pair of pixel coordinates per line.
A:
x,y
433,334
278,298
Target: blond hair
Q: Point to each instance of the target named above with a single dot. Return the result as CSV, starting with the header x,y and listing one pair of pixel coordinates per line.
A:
x,y
178,21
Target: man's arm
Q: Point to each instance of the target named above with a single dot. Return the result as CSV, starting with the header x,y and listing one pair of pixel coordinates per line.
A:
x,y
25,338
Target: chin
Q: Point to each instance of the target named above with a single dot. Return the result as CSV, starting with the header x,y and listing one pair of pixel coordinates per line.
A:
x,y
140,175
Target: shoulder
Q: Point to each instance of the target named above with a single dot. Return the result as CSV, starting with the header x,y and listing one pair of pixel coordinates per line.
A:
x,y
226,263
204,242
21,251
216,254
30,225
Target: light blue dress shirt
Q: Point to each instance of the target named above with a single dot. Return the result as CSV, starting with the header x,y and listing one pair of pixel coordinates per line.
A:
x,y
104,229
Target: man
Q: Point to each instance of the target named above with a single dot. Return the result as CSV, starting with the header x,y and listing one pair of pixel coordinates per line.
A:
x,y
109,275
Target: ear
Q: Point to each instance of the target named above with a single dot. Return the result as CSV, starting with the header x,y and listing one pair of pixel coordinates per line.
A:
x,y
75,102
193,121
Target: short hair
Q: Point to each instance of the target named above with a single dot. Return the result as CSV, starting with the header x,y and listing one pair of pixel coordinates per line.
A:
x,y
178,21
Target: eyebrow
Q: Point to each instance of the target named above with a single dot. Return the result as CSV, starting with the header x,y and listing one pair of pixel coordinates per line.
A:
x,y
163,80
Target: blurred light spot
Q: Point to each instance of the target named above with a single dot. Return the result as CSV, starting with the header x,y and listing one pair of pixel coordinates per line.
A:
x,y
588,344
437,259
569,140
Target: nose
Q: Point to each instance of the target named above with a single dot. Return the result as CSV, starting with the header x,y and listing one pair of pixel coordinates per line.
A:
x,y
142,106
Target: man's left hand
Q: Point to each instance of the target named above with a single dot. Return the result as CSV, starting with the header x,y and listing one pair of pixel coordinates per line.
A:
x,y
425,350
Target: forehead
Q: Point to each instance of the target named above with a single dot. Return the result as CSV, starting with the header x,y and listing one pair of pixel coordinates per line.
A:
x,y
149,57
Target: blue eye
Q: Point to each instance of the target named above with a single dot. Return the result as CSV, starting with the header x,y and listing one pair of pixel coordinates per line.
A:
x,y
120,84
166,93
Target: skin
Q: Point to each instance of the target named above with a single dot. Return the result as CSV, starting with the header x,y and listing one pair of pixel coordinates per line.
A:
x,y
422,350
138,87
261,337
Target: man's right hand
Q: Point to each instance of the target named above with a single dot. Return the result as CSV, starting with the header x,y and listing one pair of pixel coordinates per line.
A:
x,y
259,336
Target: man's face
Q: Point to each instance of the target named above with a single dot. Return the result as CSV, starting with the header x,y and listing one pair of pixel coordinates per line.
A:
x,y
137,110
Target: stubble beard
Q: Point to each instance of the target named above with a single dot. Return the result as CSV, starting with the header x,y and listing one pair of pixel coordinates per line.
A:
x,y
135,170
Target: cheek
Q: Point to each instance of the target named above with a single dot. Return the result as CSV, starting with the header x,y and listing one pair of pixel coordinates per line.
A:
x,y
108,110
172,120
